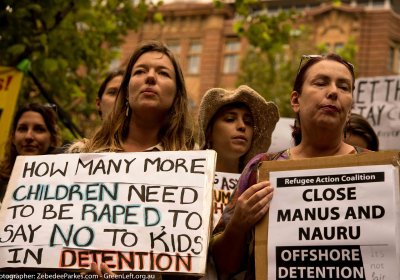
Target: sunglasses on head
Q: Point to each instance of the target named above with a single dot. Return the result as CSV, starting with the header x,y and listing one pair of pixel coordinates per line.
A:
x,y
307,57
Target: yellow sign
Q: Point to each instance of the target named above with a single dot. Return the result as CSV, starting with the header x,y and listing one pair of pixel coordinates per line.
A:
x,y
10,83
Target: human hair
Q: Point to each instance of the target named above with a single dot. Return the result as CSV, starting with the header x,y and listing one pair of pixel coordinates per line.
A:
x,y
10,154
176,132
300,79
111,75
358,125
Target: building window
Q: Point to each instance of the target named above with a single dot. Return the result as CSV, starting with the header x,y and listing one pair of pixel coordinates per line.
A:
x,y
390,65
394,58
116,61
231,56
398,61
193,61
175,47
338,47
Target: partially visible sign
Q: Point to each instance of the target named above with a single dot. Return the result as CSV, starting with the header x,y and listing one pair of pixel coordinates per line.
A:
x,y
282,136
331,218
224,185
10,83
378,100
132,211
336,223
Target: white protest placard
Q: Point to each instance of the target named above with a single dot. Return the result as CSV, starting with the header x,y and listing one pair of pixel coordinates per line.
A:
x,y
224,185
378,100
282,135
132,211
334,223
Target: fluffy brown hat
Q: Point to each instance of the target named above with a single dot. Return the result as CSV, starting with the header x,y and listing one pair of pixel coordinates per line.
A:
x,y
265,115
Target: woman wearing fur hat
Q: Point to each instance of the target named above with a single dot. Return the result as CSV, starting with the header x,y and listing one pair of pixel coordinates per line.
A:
x,y
237,124
321,99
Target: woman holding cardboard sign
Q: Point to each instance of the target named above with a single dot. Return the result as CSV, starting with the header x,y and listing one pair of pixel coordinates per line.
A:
x,y
321,99
237,124
150,111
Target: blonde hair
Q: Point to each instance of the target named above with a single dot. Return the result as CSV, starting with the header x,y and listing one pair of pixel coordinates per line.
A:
x,y
177,131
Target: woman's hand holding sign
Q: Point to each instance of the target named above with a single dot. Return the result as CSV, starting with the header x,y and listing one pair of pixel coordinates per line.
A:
x,y
100,271
251,206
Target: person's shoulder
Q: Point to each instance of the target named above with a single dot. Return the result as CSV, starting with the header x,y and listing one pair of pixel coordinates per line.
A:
x,y
78,146
360,150
281,155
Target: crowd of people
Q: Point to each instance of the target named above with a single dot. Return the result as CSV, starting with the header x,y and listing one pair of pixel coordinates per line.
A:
x,y
145,108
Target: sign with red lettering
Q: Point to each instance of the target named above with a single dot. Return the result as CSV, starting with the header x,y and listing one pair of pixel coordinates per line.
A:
x,y
224,184
133,211
334,223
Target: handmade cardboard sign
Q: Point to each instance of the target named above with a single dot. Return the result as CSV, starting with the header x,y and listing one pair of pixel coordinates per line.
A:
x,y
338,222
378,100
224,184
132,211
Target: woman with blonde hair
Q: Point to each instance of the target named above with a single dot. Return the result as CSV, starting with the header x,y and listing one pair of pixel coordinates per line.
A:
x,y
151,109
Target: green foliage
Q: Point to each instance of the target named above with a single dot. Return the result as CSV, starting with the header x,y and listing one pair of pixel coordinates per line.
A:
x,y
271,63
69,44
348,52
271,72
277,44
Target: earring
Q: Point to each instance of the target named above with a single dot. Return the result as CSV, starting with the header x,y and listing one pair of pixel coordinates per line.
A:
x,y
127,108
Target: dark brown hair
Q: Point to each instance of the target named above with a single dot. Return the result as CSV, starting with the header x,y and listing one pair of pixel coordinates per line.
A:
x,y
109,77
300,78
359,126
50,119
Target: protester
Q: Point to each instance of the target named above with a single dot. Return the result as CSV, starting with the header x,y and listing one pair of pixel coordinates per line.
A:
x,y
104,103
360,133
34,131
237,124
150,112
108,92
151,109
321,99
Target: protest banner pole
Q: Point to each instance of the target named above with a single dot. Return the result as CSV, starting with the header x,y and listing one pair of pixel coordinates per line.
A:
x,y
63,116
24,67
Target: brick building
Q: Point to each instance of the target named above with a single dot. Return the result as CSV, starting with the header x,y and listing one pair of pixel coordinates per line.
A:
x,y
209,50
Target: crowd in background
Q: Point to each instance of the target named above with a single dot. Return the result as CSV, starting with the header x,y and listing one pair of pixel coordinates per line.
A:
x,y
145,108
